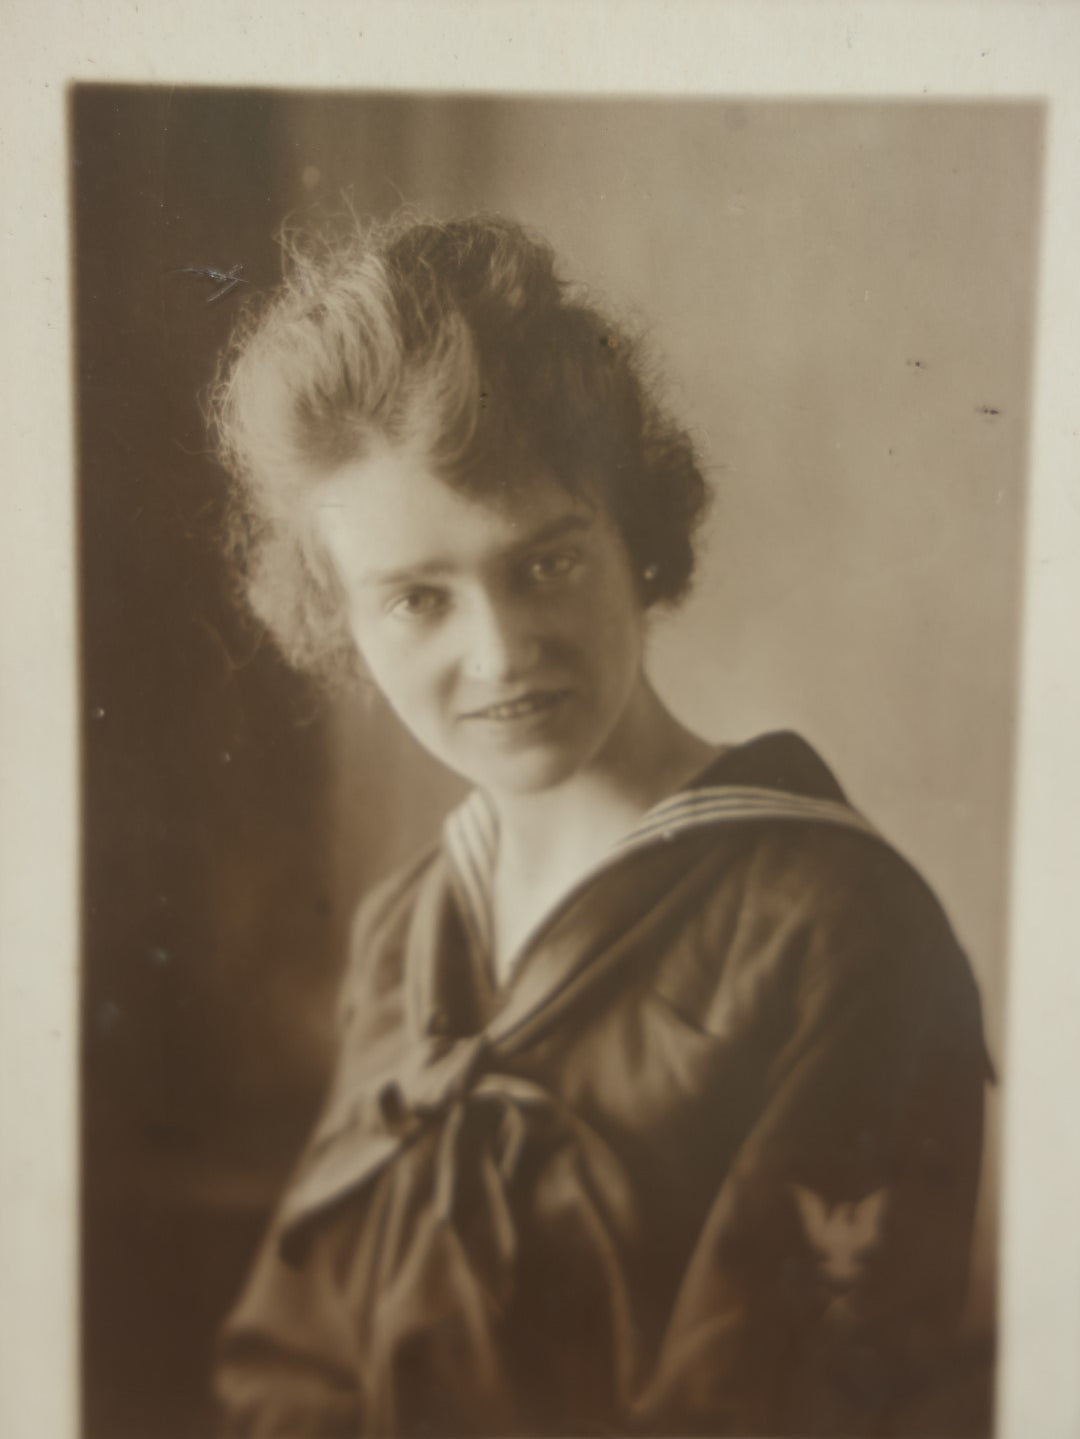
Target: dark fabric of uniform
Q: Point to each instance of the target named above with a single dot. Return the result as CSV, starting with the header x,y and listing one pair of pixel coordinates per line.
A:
x,y
706,1166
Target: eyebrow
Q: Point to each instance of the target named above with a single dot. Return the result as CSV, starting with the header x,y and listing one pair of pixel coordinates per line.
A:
x,y
545,535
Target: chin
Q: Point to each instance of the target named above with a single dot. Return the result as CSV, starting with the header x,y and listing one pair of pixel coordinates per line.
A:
x,y
525,774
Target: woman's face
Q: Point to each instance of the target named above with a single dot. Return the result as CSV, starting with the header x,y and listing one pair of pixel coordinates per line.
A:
x,y
507,637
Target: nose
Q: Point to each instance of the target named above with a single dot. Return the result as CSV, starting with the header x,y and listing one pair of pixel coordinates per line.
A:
x,y
502,642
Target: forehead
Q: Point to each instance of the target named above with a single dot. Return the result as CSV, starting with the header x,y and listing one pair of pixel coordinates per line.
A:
x,y
391,510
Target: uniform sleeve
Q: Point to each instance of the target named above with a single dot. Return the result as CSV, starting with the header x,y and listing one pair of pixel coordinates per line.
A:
x,y
286,1367
286,1357
826,1287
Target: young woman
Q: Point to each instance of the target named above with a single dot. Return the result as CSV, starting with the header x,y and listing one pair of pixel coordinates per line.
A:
x,y
659,1095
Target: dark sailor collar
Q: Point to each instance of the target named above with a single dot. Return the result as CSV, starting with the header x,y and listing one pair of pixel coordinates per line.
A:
x,y
775,777
575,952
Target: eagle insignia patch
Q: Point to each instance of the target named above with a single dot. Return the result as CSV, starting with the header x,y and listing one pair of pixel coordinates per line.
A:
x,y
844,1234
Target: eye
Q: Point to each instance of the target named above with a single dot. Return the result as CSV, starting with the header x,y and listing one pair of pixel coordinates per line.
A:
x,y
421,603
555,565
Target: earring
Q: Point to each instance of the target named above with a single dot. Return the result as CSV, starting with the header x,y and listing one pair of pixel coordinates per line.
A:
x,y
651,572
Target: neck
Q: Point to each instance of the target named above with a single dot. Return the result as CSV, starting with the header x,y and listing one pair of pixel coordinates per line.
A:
x,y
558,832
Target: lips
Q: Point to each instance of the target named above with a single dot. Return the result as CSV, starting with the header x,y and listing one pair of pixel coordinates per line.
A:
x,y
522,707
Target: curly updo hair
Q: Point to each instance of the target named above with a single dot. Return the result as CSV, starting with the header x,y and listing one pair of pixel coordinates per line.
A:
x,y
460,336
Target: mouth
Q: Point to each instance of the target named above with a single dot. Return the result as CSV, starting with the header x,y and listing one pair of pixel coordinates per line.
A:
x,y
524,707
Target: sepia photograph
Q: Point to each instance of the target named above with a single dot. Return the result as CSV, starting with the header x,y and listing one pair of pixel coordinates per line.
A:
x,y
550,577
539,803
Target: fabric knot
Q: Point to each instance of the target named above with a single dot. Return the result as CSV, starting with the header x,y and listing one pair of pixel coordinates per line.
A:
x,y
392,1106
445,1074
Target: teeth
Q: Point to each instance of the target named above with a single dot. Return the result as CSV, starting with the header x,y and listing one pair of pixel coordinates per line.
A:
x,y
518,708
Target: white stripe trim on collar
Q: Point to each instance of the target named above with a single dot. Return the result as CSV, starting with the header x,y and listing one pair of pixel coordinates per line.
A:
x,y
470,835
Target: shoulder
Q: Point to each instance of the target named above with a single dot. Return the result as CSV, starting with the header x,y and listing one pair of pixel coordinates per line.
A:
x,y
819,901
827,948
373,1011
390,900
811,852
379,932
781,760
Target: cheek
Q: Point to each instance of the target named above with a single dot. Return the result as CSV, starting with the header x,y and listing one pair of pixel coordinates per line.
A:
x,y
615,619
406,668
